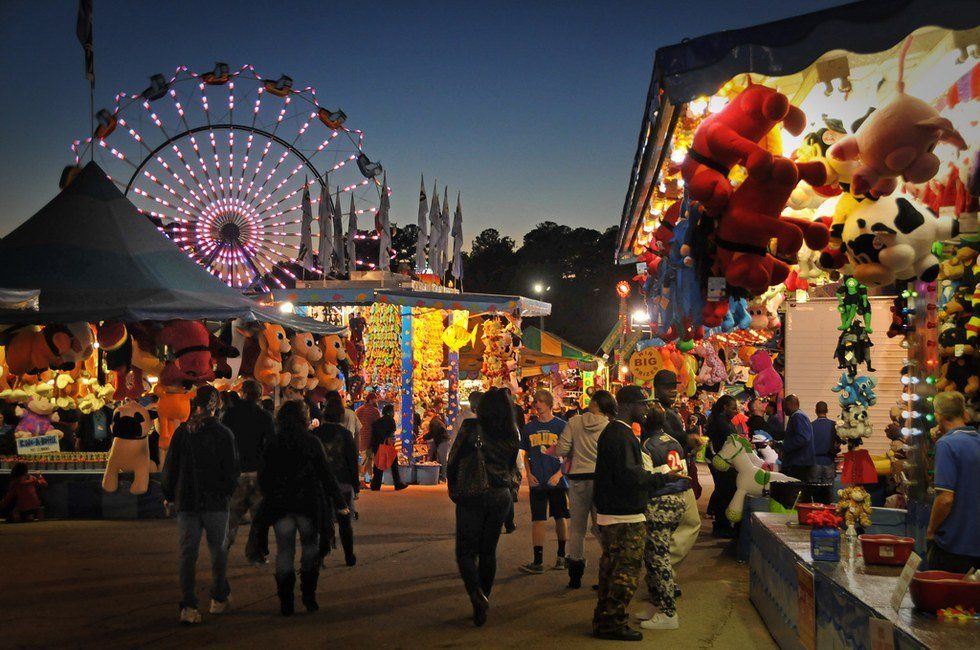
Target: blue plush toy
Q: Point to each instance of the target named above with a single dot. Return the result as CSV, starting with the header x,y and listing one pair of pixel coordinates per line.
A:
x,y
855,390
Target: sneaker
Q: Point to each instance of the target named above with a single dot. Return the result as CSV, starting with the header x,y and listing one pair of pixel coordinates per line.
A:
x,y
660,621
398,488
190,616
219,607
646,611
532,567
350,560
560,564
621,634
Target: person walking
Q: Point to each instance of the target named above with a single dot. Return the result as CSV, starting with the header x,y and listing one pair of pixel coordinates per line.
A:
x,y
366,415
200,473
338,445
719,427
479,516
662,454
299,493
622,489
826,445
252,427
546,478
578,441
953,534
797,457
383,433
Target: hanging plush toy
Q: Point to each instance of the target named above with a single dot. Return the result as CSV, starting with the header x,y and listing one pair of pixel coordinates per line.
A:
x,y
853,348
130,450
188,353
897,140
892,238
731,137
852,302
853,424
301,362
273,344
854,506
752,479
767,381
712,367
333,351
36,419
855,390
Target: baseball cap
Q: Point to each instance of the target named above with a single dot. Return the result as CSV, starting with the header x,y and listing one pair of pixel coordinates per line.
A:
x,y
665,377
632,394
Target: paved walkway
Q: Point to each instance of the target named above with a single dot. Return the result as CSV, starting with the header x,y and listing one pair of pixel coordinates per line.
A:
x,y
114,584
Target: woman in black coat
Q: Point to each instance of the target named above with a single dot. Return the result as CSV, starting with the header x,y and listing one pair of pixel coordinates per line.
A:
x,y
479,518
718,428
338,443
298,493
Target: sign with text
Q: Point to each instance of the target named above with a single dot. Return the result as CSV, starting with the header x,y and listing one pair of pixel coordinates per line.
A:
x,y
904,580
806,625
45,444
645,363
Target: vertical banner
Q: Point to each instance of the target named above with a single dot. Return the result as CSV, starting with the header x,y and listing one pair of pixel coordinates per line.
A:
x,y
806,620
453,397
407,407
588,382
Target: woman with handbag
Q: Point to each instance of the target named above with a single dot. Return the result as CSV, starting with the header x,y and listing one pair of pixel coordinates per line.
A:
x,y
480,473
338,444
383,448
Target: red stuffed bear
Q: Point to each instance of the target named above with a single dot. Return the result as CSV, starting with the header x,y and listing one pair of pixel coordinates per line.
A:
x,y
731,137
189,353
752,218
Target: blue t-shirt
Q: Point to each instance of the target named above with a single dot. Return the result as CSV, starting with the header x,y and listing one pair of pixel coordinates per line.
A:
x,y
538,440
957,460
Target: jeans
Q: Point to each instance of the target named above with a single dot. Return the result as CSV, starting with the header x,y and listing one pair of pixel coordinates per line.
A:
x,y
582,510
346,522
245,499
821,484
190,525
477,531
309,538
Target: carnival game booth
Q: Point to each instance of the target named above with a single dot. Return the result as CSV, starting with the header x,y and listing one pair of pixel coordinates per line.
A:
x,y
406,338
830,159
121,314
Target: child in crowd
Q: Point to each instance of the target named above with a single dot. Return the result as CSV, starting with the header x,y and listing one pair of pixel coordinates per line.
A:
x,y
23,495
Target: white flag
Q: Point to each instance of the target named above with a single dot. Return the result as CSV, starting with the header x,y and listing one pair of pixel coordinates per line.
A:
x,y
384,245
338,233
423,237
458,242
351,234
444,231
435,234
306,230
324,216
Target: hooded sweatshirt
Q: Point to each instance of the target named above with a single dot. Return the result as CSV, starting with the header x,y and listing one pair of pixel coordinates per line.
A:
x,y
578,441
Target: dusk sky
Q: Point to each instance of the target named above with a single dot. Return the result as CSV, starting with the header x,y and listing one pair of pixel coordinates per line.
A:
x,y
530,109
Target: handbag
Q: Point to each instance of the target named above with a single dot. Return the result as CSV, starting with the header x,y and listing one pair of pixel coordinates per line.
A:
x,y
470,479
385,457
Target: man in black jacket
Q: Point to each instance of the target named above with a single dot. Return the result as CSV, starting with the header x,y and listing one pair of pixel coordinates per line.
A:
x,y
622,491
252,427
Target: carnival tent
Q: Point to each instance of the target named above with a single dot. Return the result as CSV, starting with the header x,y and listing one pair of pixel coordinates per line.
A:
x,y
541,353
94,257
700,66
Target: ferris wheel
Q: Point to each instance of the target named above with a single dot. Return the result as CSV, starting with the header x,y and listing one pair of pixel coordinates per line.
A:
x,y
221,161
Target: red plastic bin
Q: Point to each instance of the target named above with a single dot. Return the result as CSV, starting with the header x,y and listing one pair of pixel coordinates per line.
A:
x,y
935,590
886,549
804,510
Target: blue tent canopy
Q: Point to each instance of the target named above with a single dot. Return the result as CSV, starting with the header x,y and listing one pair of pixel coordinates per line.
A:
x,y
700,66
94,257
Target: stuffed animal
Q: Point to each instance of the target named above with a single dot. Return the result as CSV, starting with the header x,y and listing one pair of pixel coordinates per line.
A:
x,y
853,424
896,140
767,381
852,302
854,506
764,310
173,409
268,365
752,479
36,419
731,137
333,351
712,367
32,350
855,390
752,217
130,451
959,374
300,364
892,238
853,348
188,348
